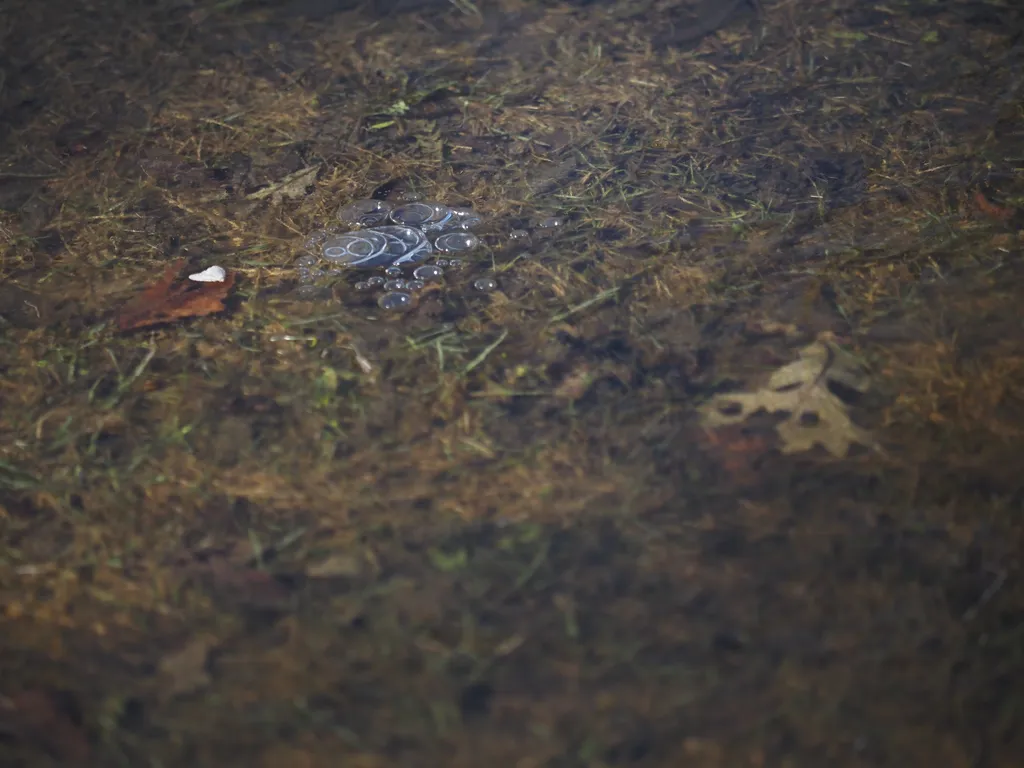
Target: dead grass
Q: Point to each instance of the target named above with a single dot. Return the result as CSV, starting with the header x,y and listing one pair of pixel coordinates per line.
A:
x,y
552,559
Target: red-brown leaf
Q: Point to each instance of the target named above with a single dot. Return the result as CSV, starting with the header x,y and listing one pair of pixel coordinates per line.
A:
x,y
990,209
36,717
167,300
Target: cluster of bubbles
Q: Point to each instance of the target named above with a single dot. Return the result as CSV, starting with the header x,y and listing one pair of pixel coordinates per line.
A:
x,y
379,235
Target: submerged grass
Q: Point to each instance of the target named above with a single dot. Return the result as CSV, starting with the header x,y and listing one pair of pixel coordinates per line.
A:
x,y
492,528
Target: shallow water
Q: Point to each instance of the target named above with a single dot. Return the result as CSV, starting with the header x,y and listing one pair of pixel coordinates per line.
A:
x,y
706,454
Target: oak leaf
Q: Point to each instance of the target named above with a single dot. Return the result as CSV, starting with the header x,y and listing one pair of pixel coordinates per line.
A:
x,y
814,414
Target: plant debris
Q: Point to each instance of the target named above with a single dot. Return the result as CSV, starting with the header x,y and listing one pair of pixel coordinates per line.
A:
x,y
166,300
814,414
493,530
184,671
45,718
337,565
292,186
990,209
250,587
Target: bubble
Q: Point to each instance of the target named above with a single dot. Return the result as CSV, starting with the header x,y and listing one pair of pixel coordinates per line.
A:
x,y
442,215
414,214
518,234
428,272
364,213
456,241
394,301
551,222
424,215
315,238
485,284
389,235
365,248
406,245
465,218
375,247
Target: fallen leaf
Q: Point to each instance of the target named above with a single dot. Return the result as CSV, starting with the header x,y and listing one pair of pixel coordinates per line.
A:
x,y
165,301
248,586
990,209
42,719
815,416
184,671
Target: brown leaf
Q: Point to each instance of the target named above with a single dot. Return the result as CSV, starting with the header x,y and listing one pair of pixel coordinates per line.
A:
x,y
990,209
165,300
813,414
184,671
248,586
39,717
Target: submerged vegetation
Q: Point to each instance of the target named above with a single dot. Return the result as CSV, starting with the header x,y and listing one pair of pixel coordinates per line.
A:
x,y
709,455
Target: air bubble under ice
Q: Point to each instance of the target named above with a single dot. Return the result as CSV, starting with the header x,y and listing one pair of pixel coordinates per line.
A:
x,y
376,247
425,216
428,272
391,237
364,213
456,241
394,301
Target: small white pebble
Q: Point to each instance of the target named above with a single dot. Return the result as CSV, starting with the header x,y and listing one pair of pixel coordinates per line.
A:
x,y
209,275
